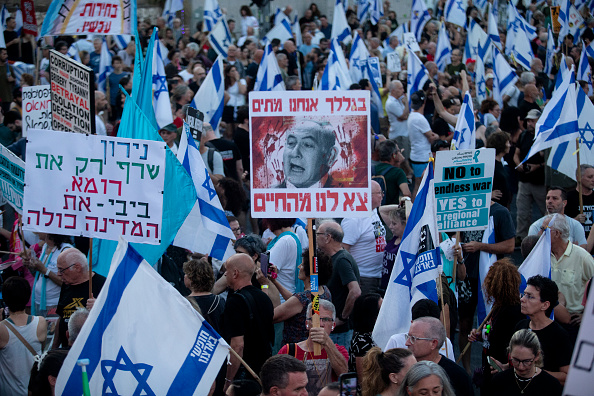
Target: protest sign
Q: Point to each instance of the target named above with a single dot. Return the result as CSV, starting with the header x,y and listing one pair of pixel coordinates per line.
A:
x,y
37,111
393,62
310,154
29,20
555,18
374,67
12,179
94,186
195,119
411,42
463,183
73,94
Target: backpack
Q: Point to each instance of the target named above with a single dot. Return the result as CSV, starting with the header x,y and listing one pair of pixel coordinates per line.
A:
x,y
381,180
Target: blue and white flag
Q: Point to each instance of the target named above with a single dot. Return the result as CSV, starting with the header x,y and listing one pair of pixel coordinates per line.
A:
x,y
171,7
376,11
19,68
375,95
481,5
549,57
399,32
519,49
212,14
18,18
480,81
419,16
485,261
151,361
2,42
505,77
417,74
563,19
455,12
562,72
340,28
465,131
584,71
493,31
363,9
558,122
220,37
4,14
161,101
443,53
212,88
416,267
358,59
282,31
477,43
269,77
336,75
122,40
73,52
538,261
576,24
296,29
104,67
206,229
279,15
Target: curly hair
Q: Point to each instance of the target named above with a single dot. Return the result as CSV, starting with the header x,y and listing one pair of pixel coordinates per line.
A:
x,y
200,274
502,283
234,195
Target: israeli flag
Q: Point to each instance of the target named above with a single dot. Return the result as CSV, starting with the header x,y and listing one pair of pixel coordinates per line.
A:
x,y
151,361
477,43
399,32
220,37
336,75
576,24
465,131
4,14
419,16
122,40
505,77
104,67
493,31
563,20
206,229
18,18
562,72
171,7
269,77
340,28
584,72
296,29
363,9
480,81
548,67
558,122
518,39
161,101
282,31
416,268
375,95
212,88
73,52
417,74
279,15
19,68
455,12
538,261
481,5
376,11
212,14
486,260
358,58
443,53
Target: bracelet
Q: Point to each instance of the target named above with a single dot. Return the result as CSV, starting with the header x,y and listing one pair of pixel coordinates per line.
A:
x,y
264,287
47,272
228,380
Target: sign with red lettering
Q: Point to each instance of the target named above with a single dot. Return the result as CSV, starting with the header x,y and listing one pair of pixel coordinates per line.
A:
x,y
37,108
73,94
94,186
310,154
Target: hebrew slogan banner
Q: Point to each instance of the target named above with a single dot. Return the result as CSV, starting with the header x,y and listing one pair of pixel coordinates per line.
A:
x,y
94,186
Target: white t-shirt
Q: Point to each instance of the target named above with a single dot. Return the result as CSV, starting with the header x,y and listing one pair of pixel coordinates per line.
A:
x,y
576,230
249,21
514,95
100,126
367,237
420,148
284,255
399,341
52,290
394,109
217,162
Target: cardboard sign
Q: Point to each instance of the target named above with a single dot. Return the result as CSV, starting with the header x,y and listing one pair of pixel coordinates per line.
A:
x,y
195,119
37,109
94,186
73,95
393,62
411,42
374,66
555,18
12,179
310,154
463,184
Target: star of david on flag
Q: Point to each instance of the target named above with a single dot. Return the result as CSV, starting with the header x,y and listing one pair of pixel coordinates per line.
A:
x,y
147,362
416,268
465,131
161,102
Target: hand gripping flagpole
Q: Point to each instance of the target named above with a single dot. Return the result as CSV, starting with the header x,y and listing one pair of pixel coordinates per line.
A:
x,y
313,271
480,328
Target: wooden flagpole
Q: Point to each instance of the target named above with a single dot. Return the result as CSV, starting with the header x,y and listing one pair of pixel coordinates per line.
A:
x,y
313,281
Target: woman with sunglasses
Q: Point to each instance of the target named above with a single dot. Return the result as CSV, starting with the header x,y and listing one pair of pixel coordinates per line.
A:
x,y
525,377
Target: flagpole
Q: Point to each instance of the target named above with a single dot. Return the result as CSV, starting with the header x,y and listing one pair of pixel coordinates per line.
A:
x,y
455,270
313,271
443,316
248,368
90,267
480,328
579,175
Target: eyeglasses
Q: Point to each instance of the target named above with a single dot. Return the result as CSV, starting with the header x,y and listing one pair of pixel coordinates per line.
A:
x,y
236,230
61,270
321,233
414,339
323,320
526,362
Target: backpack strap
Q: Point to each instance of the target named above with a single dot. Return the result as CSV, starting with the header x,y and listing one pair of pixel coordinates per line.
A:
x,y
292,350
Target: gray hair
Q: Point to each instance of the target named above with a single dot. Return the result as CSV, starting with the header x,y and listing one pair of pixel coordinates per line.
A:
x,y
335,232
584,168
327,305
193,46
252,244
75,256
281,56
559,222
292,81
422,370
76,322
527,78
435,329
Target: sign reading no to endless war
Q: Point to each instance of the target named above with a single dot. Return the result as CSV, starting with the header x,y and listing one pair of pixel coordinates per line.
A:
x,y
463,183
37,111
73,95
94,186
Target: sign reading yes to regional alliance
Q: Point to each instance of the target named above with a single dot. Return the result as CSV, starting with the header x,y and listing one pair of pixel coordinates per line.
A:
x,y
463,183
94,186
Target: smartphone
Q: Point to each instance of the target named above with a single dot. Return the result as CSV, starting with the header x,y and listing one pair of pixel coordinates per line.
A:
x,y
348,384
264,263
493,364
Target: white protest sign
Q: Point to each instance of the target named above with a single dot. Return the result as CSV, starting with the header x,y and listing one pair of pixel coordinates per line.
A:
x,y
12,179
374,66
37,110
393,62
73,94
94,186
463,183
411,41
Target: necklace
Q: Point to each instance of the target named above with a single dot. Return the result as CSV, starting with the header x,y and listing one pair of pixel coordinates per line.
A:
x,y
524,380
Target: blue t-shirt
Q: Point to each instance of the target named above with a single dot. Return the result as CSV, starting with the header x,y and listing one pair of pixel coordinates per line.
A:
x,y
114,86
95,58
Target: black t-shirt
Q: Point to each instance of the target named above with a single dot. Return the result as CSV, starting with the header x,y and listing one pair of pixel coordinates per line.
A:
x,y
250,317
242,140
537,177
344,271
212,307
500,182
525,107
13,49
459,379
573,208
503,326
555,344
505,383
230,153
73,297
441,127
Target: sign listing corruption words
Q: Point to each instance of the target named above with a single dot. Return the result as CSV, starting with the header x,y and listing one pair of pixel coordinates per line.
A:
x,y
37,110
463,184
12,179
94,186
73,95
310,154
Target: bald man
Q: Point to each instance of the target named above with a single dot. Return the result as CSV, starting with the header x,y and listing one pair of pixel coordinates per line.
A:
x,y
247,319
530,95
